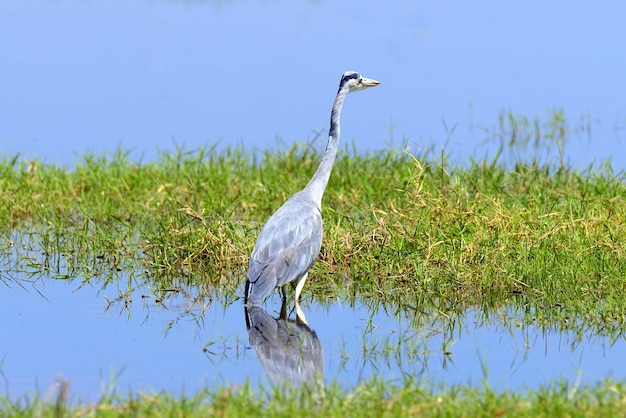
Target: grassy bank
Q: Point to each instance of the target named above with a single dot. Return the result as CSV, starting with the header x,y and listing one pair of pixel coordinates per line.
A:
x,y
400,230
403,232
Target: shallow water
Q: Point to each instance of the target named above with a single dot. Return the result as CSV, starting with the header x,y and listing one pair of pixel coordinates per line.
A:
x,y
90,336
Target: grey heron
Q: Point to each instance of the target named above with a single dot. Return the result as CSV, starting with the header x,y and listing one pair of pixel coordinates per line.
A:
x,y
291,239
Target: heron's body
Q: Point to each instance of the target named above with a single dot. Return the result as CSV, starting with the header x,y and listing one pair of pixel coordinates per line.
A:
x,y
286,248
291,239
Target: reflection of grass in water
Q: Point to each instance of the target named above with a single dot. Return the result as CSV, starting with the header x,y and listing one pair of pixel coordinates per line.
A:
x,y
411,234
535,141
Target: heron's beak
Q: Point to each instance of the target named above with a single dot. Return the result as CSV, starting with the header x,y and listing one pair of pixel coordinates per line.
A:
x,y
368,82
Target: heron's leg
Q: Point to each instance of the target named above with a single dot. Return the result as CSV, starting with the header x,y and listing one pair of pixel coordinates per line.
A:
x,y
246,292
283,310
299,285
300,318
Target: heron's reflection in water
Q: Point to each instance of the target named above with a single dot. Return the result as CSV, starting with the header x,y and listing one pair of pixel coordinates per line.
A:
x,y
288,349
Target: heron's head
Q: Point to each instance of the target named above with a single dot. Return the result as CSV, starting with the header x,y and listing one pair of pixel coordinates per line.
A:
x,y
355,81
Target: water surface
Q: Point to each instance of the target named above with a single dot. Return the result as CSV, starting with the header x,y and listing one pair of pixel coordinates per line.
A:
x,y
97,338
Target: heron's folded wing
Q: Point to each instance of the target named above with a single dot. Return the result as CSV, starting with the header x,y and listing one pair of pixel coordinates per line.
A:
x,y
286,248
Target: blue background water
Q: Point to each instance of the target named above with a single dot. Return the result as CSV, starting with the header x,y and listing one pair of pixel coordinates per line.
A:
x,y
81,76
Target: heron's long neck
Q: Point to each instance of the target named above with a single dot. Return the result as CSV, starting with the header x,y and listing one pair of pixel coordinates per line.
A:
x,y
318,183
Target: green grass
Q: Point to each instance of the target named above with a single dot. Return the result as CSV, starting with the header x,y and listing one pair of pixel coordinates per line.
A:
x,y
370,399
406,233
402,231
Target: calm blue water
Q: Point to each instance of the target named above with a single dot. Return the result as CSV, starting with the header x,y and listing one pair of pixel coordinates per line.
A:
x,y
83,76
54,329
